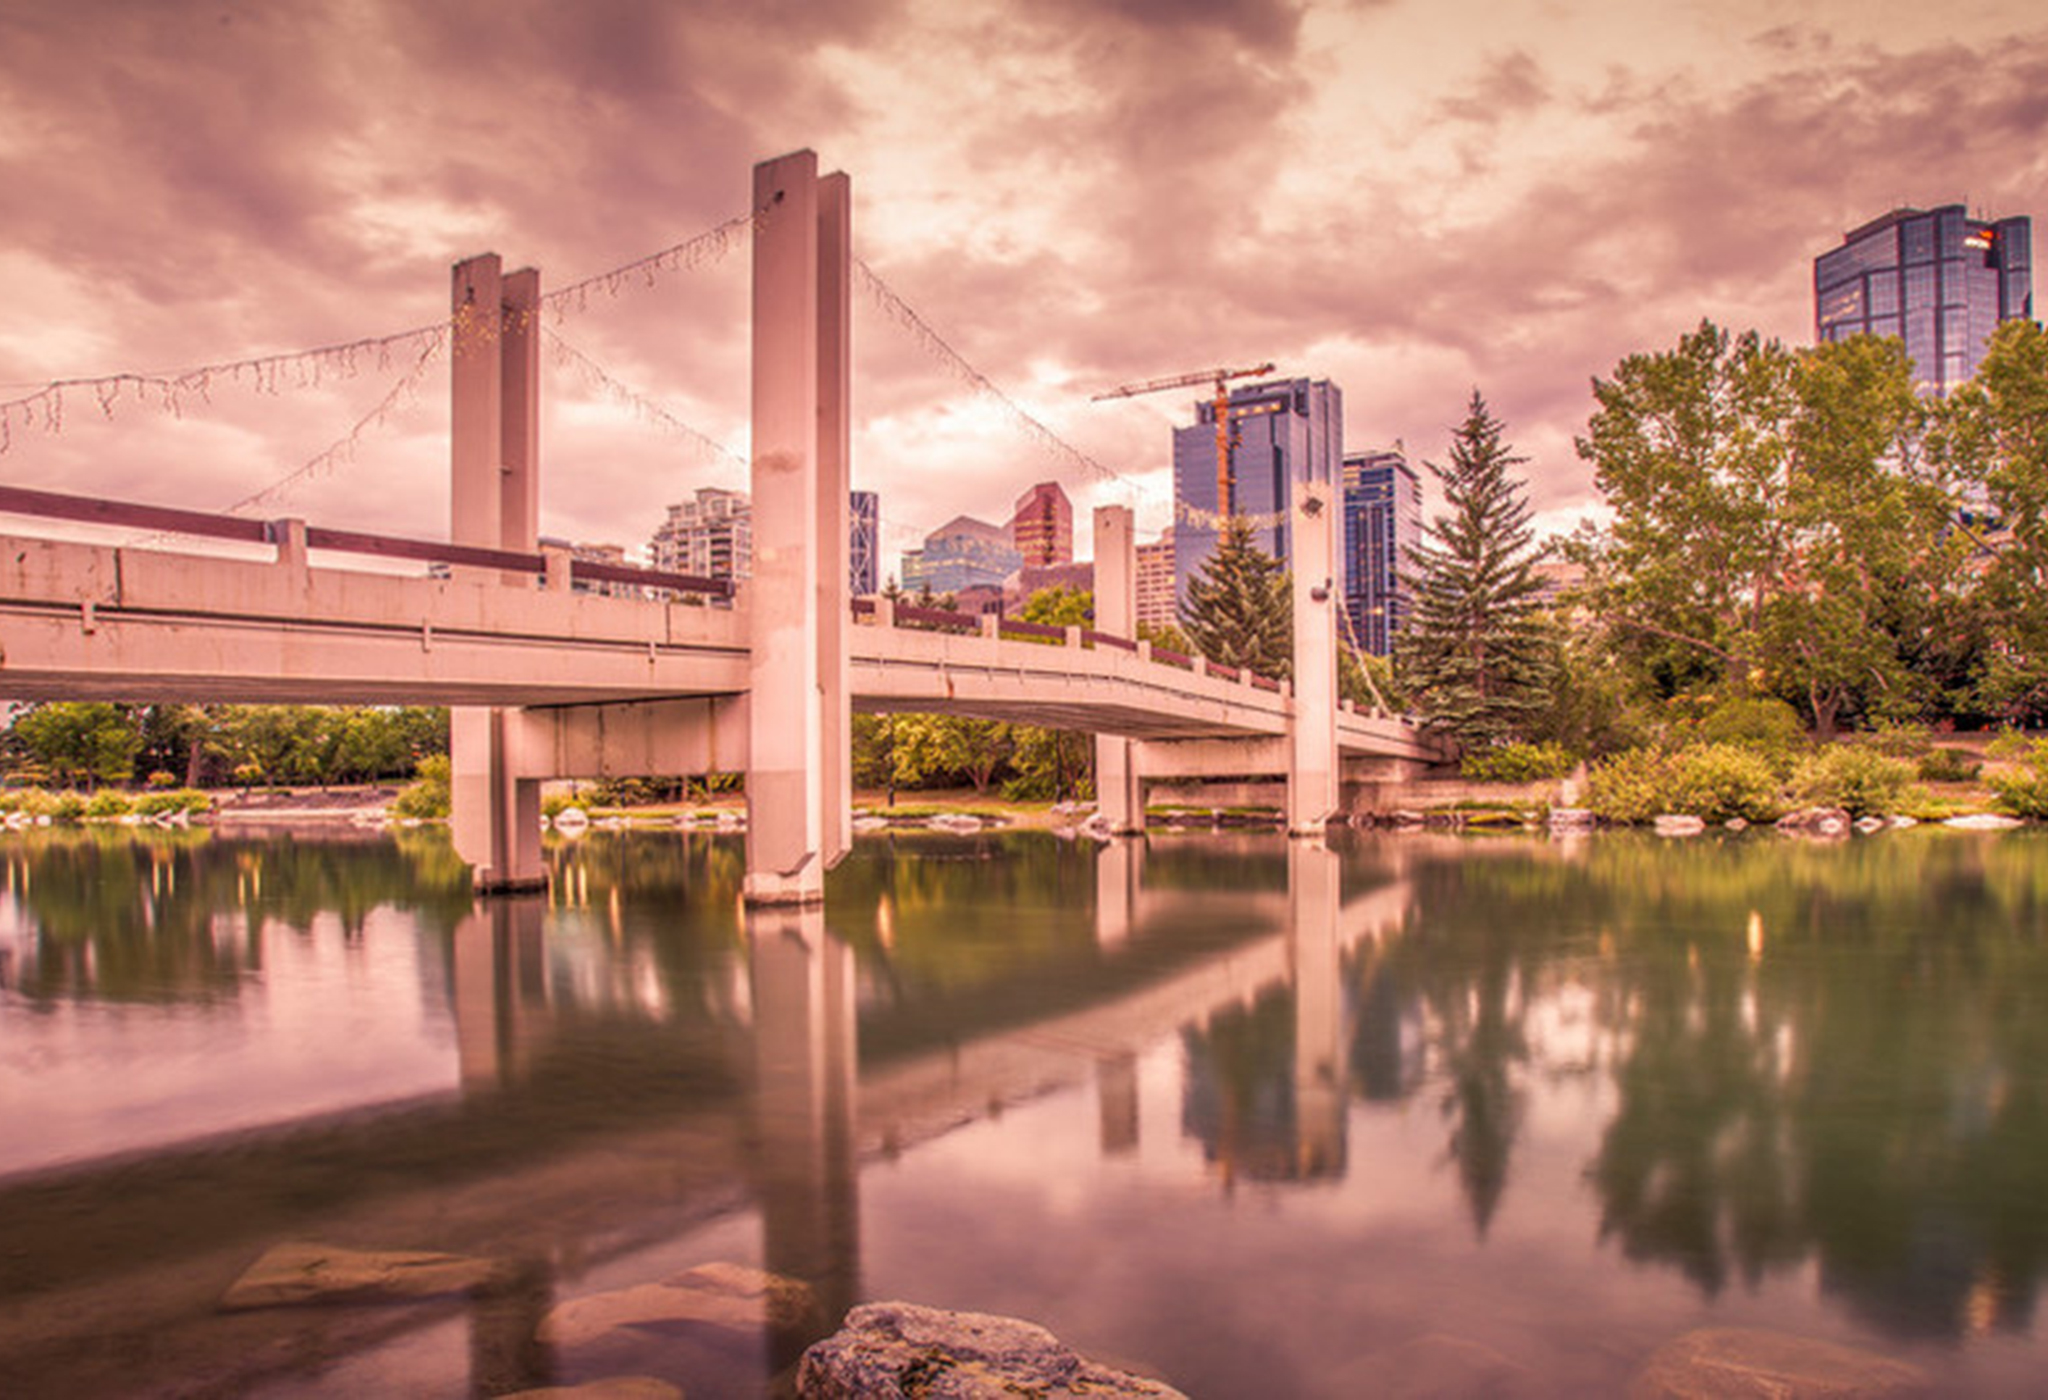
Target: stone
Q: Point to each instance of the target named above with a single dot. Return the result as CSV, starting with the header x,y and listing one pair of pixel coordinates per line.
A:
x,y
1867,825
299,1272
1983,821
610,1388
1736,824
1570,819
1737,1363
1816,821
718,1296
903,1349
1673,824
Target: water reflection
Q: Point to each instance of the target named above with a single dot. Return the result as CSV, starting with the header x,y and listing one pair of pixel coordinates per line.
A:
x,y
1816,1078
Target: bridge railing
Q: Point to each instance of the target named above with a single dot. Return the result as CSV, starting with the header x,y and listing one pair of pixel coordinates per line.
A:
x,y
128,515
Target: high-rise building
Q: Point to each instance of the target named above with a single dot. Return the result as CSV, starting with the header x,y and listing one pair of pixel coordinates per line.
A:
x,y
961,554
1283,431
1382,522
711,536
1936,278
1155,582
863,544
1042,527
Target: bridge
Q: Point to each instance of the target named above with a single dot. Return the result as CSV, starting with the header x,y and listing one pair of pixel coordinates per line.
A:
x,y
694,676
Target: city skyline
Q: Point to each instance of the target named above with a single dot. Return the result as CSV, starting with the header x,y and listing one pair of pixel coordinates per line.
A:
x,y
1358,193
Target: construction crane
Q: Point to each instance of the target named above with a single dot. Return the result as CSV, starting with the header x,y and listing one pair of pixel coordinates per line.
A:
x,y
1225,434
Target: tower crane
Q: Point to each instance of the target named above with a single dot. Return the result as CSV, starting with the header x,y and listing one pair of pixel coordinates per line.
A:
x,y
1224,433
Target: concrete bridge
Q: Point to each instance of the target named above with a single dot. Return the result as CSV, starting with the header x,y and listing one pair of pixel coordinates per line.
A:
x,y
548,682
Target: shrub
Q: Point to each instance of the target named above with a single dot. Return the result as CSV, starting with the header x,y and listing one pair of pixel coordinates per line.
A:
x,y
66,806
1631,786
108,802
1716,782
1517,763
427,795
2024,792
161,781
1760,724
160,804
553,804
1947,766
1899,740
2010,746
1855,778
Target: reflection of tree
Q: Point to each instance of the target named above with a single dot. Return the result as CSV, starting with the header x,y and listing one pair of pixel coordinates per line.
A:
x,y
1836,1054
1240,1088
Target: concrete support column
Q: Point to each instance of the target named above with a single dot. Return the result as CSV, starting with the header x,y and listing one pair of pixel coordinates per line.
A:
x,y
798,798
1119,794
1312,773
1314,901
494,385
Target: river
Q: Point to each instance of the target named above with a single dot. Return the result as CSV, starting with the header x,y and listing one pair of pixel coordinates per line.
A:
x,y
1399,1115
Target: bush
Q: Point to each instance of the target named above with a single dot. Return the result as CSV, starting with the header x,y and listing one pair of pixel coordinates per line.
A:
x,y
1854,777
1517,763
2010,746
66,806
2024,792
108,802
1895,740
162,804
161,781
1762,725
426,796
1631,786
1947,766
1717,782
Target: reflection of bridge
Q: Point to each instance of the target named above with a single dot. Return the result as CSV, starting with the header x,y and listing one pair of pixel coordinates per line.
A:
x,y
551,683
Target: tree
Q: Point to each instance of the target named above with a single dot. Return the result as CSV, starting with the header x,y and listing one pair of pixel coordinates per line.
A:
x,y
1994,432
81,742
1472,651
1238,610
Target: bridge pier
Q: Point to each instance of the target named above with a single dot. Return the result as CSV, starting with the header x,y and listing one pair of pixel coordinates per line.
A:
x,y
1119,791
799,808
1312,770
494,447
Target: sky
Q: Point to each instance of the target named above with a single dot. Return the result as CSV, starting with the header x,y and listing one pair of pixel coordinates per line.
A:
x,y
1412,198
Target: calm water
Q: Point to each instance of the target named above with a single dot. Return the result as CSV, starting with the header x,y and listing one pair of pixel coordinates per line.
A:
x,y
1414,1115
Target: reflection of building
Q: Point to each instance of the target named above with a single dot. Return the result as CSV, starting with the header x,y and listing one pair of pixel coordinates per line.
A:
x,y
1284,431
863,544
1382,522
1937,279
710,537
1155,583
1042,528
961,554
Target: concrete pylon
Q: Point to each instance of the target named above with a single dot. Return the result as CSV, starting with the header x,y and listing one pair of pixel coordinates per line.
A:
x,y
1312,772
1119,793
798,795
494,436
1314,903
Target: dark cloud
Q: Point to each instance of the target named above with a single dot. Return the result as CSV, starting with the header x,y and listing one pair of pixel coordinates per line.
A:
x,y
1513,85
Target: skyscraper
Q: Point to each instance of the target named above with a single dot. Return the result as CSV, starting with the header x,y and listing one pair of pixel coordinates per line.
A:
x,y
1285,430
1155,582
863,544
1382,522
1936,278
1042,527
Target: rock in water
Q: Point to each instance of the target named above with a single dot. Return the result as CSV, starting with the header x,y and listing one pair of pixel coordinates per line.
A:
x,y
1742,1363
722,1297
317,1273
901,1349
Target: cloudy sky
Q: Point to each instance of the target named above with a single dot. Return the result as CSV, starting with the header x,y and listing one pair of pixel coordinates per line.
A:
x,y
1412,198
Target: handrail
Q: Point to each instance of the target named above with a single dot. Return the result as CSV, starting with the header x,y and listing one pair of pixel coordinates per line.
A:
x,y
129,515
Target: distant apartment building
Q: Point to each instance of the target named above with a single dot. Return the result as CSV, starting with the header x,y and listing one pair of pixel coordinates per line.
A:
x,y
1155,583
864,544
1036,578
712,536
1042,526
595,554
1283,431
1938,279
1382,523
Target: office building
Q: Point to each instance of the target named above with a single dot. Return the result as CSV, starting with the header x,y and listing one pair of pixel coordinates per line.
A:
x,y
1283,431
1382,523
1155,582
863,544
1938,279
1042,527
963,553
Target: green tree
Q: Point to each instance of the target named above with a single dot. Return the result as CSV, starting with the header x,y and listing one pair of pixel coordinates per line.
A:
x,y
1238,610
932,750
77,742
1473,652
1994,432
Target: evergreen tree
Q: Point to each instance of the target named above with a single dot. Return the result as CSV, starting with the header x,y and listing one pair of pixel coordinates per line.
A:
x,y
1238,611
1472,650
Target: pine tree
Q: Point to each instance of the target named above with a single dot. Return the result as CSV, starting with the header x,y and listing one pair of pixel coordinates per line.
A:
x,y
1471,651
1239,611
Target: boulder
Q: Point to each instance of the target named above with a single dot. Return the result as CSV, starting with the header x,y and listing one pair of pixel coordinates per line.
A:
x,y
901,1349
1816,821
1736,1363
1673,824
1983,821
300,1272
1571,819
725,1297
1867,825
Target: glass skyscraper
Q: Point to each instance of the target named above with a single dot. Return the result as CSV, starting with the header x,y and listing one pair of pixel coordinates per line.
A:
x,y
1382,522
1936,278
1285,430
863,543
